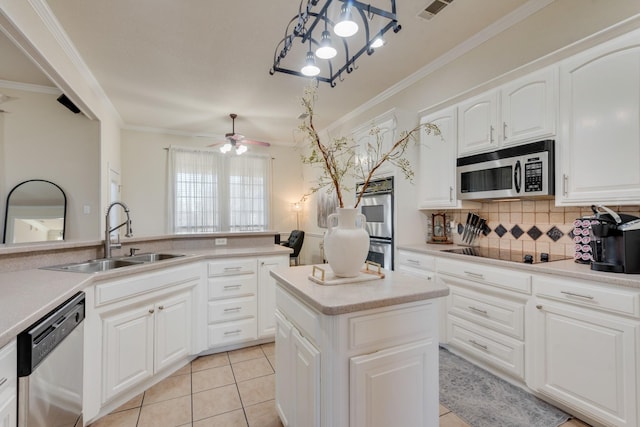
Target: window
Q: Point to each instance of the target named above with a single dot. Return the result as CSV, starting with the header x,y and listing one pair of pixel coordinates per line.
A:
x,y
210,192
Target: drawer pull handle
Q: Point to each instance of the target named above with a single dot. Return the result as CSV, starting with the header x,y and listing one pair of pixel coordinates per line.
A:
x,y
477,310
233,309
477,344
232,286
474,275
2,381
237,331
571,294
413,261
232,268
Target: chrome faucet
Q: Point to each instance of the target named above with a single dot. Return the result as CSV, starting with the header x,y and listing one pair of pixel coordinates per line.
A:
x,y
108,244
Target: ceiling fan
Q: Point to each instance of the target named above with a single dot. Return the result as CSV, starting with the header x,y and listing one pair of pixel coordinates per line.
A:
x,y
237,141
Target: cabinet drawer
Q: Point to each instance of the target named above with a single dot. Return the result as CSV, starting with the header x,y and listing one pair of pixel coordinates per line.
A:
x,y
500,351
220,334
304,318
500,314
416,260
8,373
231,309
604,297
232,267
393,327
494,276
232,286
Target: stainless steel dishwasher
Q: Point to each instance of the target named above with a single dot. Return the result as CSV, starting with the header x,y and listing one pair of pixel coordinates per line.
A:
x,y
50,368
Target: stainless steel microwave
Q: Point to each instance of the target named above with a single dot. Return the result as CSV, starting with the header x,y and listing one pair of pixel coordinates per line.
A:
x,y
523,171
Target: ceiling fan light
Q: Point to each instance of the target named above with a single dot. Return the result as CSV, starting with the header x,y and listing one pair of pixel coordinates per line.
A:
x,y
225,148
378,42
326,50
310,69
346,26
241,149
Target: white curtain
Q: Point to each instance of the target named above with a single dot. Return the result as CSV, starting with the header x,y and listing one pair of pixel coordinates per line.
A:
x,y
209,192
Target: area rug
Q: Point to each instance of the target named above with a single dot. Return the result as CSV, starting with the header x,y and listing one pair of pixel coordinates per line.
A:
x,y
484,400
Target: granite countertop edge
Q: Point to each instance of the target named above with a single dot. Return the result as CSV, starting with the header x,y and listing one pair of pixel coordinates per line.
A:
x,y
565,268
28,295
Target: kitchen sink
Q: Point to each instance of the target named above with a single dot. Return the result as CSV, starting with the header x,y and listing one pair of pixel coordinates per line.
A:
x,y
95,266
152,257
106,264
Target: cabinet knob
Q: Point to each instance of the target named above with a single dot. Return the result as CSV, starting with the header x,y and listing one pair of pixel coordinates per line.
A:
x,y
539,307
151,310
161,307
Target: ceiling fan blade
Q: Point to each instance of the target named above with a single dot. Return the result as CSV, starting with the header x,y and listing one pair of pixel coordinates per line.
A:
x,y
253,142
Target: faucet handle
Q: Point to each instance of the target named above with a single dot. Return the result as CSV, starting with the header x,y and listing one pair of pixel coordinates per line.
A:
x,y
132,251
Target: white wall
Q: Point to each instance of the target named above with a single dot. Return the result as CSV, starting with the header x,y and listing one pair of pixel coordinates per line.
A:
x,y
556,26
44,140
144,178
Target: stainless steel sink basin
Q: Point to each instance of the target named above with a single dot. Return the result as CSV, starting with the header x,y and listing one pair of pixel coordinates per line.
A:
x,y
95,266
152,257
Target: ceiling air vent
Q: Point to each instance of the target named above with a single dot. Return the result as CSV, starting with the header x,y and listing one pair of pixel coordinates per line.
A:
x,y
435,7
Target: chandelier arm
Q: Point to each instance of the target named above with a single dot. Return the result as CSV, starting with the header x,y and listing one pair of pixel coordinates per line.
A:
x,y
367,38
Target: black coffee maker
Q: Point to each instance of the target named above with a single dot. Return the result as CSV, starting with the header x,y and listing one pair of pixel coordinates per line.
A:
x,y
615,241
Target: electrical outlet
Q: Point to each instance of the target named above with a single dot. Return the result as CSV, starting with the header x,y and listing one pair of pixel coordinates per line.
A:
x,y
220,241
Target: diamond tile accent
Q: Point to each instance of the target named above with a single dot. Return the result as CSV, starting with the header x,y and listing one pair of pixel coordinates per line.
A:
x,y
555,233
486,230
516,231
534,232
500,230
460,228
571,235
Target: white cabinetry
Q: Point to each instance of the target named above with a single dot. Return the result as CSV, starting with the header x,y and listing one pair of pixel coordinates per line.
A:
x,y
520,111
267,294
485,313
367,368
137,327
600,106
586,348
232,305
8,385
369,146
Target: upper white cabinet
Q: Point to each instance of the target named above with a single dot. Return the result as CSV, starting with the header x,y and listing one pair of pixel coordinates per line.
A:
x,y
520,111
368,143
478,120
600,136
438,162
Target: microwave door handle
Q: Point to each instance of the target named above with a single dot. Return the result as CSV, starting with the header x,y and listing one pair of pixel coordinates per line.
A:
x,y
517,176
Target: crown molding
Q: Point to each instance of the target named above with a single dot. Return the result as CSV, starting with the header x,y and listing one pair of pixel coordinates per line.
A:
x,y
492,30
28,87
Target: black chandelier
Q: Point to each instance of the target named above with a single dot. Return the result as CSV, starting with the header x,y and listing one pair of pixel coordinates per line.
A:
x,y
323,55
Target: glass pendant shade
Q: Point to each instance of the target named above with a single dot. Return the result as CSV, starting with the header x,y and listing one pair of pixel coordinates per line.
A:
x,y
346,26
310,69
225,148
378,42
241,149
326,50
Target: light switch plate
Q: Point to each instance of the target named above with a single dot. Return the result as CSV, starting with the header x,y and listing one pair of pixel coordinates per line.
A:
x,y
220,241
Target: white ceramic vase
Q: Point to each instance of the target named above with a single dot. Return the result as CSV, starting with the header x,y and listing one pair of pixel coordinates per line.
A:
x,y
346,242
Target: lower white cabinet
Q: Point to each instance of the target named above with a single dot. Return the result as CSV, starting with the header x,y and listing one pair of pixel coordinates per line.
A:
x,y
369,368
8,385
267,294
583,357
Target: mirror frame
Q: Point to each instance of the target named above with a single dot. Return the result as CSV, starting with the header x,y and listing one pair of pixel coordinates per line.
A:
x,y
6,211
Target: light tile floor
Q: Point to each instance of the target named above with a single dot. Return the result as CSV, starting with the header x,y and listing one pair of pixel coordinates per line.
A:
x,y
230,389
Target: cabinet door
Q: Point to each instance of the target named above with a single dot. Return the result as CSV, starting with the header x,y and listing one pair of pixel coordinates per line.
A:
x,y
588,360
528,107
600,106
267,294
8,405
390,387
284,379
438,161
173,322
128,349
305,369
477,118
369,147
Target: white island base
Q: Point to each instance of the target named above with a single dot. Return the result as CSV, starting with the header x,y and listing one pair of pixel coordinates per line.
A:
x,y
360,355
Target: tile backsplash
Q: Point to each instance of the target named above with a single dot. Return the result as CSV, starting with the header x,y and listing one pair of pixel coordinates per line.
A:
x,y
530,226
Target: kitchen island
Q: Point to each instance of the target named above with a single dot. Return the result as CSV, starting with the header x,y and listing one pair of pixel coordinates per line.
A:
x,y
360,354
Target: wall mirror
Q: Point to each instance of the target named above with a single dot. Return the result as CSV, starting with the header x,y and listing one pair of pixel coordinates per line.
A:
x,y
36,212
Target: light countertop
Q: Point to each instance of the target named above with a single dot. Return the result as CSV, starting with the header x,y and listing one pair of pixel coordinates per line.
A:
x,y
566,268
395,288
27,295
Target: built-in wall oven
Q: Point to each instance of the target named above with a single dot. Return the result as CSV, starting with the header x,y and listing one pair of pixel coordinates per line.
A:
x,y
377,207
